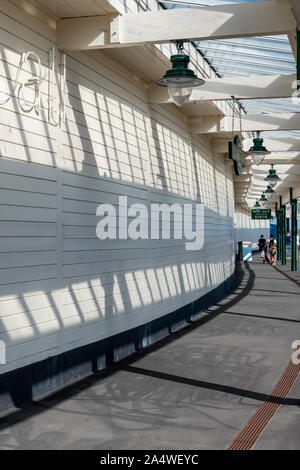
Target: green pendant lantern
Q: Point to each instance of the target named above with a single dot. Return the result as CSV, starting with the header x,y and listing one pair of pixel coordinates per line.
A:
x,y
258,151
272,179
270,192
180,80
263,200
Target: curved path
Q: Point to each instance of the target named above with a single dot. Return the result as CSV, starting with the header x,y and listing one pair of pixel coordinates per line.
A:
x,y
196,389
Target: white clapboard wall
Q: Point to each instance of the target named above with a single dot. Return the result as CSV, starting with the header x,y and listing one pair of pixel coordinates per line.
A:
x,y
61,287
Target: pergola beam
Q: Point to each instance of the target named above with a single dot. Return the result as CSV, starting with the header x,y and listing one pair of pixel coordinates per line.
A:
x,y
279,158
217,22
250,122
261,87
274,145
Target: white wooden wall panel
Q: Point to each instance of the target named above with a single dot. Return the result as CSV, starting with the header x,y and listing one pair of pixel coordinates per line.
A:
x,y
61,287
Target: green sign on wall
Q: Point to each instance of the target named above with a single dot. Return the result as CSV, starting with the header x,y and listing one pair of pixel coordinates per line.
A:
x,y
261,214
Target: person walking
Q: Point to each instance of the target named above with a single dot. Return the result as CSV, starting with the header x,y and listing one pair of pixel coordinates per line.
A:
x,y
272,250
262,246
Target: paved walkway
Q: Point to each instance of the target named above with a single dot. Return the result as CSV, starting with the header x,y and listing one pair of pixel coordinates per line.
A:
x,y
194,390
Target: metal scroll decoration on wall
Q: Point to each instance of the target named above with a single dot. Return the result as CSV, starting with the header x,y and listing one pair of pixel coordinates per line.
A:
x,y
41,73
235,147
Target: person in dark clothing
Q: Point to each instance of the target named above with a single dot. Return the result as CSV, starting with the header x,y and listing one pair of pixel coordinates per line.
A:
x,y
262,246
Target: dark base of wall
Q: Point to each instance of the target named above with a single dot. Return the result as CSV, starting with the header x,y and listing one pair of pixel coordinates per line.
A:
x,y
31,382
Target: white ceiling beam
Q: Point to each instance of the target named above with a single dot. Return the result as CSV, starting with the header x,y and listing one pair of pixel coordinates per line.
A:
x,y
279,158
216,22
281,162
260,172
274,145
261,87
250,122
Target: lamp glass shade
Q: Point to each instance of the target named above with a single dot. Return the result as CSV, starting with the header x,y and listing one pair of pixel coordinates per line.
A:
x,y
257,158
180,95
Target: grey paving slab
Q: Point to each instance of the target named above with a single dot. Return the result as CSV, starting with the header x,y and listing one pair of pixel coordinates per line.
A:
x,y
194,390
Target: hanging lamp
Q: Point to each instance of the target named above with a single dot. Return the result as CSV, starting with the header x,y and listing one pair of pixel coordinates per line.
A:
x,y
272,179
270,192
263,200
258,151
257,204
180,80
